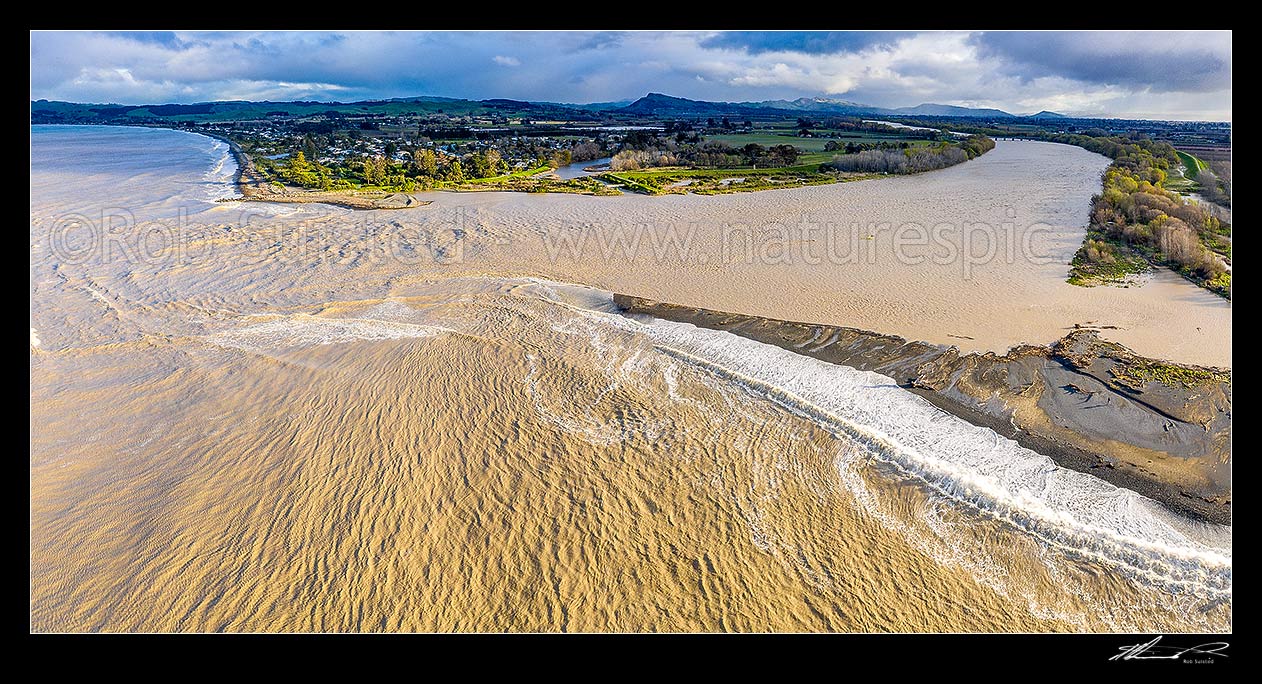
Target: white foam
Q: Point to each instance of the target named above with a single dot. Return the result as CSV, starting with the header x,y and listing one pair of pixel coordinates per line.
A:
x,y
302,330
1074,511
222,172
1078,513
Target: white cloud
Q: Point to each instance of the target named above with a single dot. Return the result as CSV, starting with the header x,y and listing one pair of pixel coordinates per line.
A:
x,y
944,67
277,91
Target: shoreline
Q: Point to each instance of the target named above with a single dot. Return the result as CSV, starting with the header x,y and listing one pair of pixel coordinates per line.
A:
x,y
254,188
1088,404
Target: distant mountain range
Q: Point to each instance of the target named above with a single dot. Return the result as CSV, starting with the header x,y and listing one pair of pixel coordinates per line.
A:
x,y
657,104
651,105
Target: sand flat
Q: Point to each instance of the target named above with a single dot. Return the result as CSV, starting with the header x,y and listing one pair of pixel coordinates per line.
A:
x,y
1035,196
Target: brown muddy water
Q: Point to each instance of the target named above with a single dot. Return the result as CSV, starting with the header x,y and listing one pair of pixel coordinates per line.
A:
x,y
271,429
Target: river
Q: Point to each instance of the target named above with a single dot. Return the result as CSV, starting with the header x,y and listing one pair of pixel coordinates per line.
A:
x,y
578,169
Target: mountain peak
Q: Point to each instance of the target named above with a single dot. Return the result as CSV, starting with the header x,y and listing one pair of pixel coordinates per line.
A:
x,y
660,104
668,105
662,97
932,109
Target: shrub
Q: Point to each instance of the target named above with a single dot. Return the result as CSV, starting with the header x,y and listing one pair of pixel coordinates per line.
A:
x,y
1178,242
1209,265
1100,251
625,160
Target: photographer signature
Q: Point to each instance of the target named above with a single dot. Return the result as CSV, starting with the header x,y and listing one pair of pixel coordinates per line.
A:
x,y
1154,651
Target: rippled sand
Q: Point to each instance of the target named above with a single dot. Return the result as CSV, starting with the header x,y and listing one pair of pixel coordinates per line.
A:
x,y
289,427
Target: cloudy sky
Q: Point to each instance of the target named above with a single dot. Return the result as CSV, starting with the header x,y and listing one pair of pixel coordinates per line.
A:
x,y
1158,75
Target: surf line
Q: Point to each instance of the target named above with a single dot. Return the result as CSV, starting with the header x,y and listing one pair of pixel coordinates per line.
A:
x,y
1053,527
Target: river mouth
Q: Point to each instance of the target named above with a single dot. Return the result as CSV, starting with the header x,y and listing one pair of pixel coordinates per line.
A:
x,y
279,430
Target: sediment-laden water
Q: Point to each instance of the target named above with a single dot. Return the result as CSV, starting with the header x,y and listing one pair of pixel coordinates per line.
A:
x,y
294,427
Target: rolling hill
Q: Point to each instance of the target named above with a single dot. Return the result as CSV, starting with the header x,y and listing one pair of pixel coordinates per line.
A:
x,y
651,105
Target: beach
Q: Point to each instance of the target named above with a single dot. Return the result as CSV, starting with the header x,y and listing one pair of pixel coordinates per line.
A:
x,y
1166,440
254,187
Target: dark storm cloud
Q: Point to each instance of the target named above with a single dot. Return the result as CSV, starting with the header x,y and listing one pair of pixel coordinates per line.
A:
x,y
1161,60
810,42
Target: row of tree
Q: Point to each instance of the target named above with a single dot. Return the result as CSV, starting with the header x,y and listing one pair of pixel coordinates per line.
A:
x,y
855,148
421,167
911,159
710,154
1214,188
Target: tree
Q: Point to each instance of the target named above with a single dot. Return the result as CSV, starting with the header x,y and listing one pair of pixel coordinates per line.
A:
x,y
486,163
783,155
298,163
391,149
324,180
426,162
1213,189
375,170
494,162
455,172
561,158
754,153
586,151
639,140
478,167
726,122
309,147
626,160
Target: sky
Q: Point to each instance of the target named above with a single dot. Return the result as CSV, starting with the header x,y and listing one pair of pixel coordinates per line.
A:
x,y
1184,75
